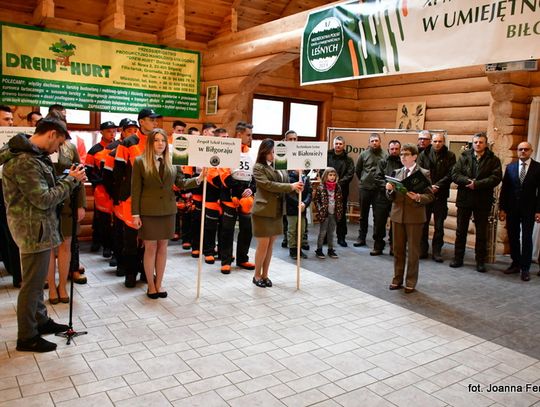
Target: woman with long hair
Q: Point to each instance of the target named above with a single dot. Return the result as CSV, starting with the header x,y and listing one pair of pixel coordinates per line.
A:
x,y
267,212
153,205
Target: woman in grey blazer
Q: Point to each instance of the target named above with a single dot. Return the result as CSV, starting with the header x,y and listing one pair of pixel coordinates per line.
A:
x,y
153,205
267,212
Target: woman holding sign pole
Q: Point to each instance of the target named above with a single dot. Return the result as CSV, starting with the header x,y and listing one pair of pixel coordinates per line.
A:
x,y
267,210
153,205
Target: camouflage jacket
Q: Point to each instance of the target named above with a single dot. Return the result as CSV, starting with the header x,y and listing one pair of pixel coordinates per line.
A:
x,y
32,194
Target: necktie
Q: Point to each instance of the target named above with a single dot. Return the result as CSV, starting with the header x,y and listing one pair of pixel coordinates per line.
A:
x,y
161,169
522,172
407,172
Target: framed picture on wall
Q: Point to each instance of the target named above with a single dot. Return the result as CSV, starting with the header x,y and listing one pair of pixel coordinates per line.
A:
x,y
457,147
211,99
411,115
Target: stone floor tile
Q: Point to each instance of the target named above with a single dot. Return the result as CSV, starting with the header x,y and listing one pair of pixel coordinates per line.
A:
x,y
115,366
281,390
208,399
458,395
304,364
63,395
229,392
354,382
349,363
331,390
155,385
176,393
259,365
305,398
401,380
156,399
55,368
160,366
41,400
412,396
257,384
427,387
307,383
380,388
29,378
392,362
213,365
136,378
95,400
474,360
11,394
121,393
46,387
260,399
18,366
205,385
362,397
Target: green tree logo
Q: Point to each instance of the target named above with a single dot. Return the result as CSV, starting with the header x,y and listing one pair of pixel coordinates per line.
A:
x,y
62,51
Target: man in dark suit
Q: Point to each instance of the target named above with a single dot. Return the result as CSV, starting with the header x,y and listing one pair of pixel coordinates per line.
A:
x,y
520,207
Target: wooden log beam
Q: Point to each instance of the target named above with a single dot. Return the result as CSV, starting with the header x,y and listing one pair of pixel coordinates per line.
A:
x,y
43,12
174,29
114,19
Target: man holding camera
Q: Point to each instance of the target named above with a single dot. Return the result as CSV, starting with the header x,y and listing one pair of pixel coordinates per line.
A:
x,y
32,194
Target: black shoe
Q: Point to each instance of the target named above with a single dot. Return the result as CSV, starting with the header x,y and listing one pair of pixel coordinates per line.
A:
x,y
393,287
267,282
332,254
131,280
512,270
51,327
259,283
292,254
35,344
113,262
525,276
409,290
303,255
16,284
375,252
342,243
359,243
162,294
107,253
95,247
120,272
153,296
284,244
305,247
481,268
438,258
320,254
456,263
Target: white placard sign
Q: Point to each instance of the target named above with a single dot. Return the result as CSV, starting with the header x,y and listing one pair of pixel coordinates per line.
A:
x,y
301,155
6,133
204,151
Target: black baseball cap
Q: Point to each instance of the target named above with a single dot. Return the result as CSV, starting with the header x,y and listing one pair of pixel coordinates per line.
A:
x,y
107,125
129,123
148,113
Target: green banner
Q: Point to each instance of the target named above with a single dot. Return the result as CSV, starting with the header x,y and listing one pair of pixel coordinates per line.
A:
x,y
356,39
41,67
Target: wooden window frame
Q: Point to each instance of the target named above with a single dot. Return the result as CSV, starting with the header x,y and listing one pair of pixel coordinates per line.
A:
x,y
287,115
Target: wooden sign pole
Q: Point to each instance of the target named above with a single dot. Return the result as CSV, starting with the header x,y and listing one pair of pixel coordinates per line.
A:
x,y
201,238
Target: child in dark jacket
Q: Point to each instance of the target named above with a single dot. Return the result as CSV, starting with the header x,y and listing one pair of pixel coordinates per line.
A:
x,y
329,203
291,200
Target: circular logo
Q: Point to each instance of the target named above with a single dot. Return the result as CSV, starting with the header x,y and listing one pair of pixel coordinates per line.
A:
x,y
180,143
325,43
280,150
214,161
307,163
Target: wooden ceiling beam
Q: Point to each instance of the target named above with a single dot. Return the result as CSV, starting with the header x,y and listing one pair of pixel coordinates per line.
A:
x,y
43,12
114,19
174,29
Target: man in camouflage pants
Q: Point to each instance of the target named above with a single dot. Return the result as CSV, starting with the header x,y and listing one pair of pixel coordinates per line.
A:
x,y
32,194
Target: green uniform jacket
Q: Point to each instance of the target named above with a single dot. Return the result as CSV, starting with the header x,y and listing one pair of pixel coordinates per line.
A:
x,y
367,166
32,194
270,190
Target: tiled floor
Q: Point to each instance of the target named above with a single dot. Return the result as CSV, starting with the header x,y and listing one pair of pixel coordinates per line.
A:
x,y
239,345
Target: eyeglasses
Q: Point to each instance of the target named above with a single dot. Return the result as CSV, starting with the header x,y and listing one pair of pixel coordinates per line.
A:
x,y
404,154
523,149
